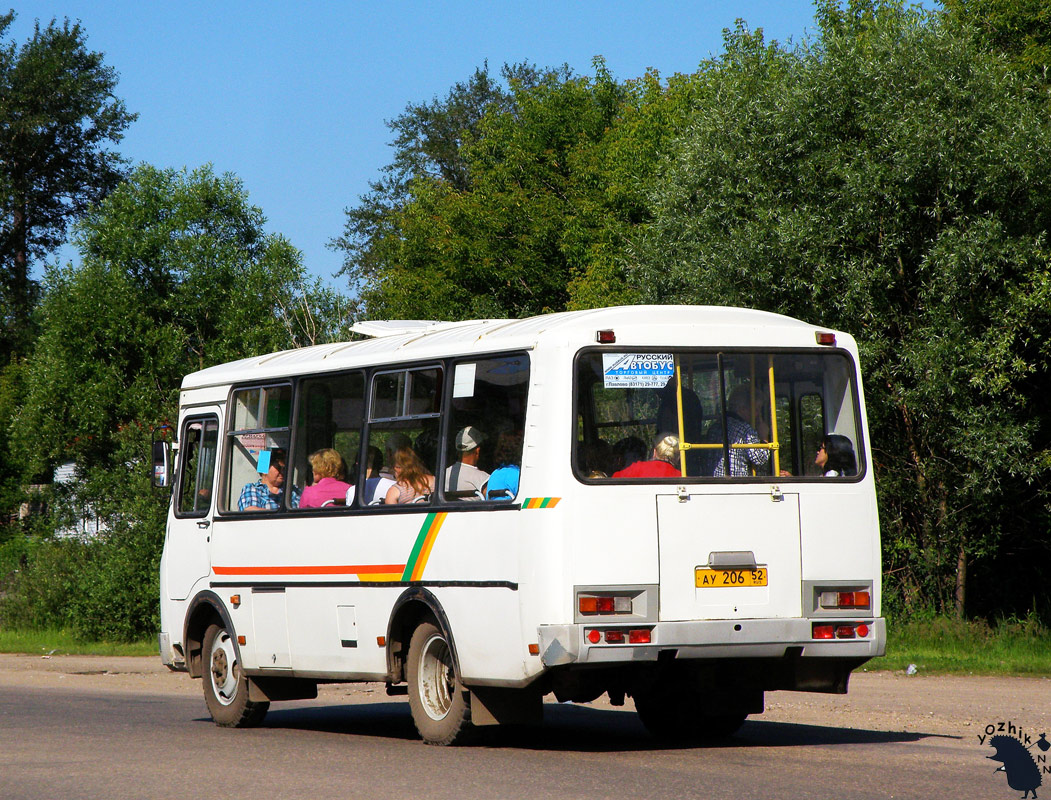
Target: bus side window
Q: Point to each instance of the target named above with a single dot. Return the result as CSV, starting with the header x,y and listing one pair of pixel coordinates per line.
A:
x,y
485,428
197,466
329,416
404,415
259,427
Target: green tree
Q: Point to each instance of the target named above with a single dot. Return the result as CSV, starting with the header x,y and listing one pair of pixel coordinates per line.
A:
x,y
1020,29
176,274
889,179
541,196
58,114
427,141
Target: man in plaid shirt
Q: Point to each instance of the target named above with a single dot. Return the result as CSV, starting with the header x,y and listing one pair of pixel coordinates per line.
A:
x,y
740,432
265,493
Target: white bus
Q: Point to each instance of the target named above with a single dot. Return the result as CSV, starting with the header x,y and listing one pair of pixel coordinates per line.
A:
x,y
637,501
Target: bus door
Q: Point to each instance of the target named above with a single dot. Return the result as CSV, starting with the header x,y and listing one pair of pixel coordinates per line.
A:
x,y
729,556
190,517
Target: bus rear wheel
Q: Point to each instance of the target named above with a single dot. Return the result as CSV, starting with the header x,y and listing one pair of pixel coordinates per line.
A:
x,y
439,703
225,684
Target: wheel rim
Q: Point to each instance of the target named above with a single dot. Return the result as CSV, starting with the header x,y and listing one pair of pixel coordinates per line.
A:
x,y
224,669
436,678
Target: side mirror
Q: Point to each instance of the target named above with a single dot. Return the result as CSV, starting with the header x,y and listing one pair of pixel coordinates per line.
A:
x,y
161,458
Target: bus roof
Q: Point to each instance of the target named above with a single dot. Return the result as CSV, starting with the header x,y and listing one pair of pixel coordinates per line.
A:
x,y
634,326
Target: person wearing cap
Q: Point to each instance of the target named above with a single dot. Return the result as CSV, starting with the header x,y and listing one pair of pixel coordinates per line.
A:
x,y
464,475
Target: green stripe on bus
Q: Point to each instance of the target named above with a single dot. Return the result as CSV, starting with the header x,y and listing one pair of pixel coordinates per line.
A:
x,y
418,546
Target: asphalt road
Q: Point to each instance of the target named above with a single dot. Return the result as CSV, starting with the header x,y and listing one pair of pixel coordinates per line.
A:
x,y
103,731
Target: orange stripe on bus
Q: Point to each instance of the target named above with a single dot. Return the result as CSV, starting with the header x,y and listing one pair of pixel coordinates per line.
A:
x,y
357,569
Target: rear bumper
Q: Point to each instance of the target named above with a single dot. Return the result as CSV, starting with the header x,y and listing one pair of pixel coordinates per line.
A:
x,y
562,645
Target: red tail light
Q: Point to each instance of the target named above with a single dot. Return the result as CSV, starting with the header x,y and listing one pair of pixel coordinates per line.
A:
x,y
837,599
614,637
824,632
641,636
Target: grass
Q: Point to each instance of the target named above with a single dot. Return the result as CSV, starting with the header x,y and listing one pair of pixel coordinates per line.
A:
x,y
63,643
939,645
944,645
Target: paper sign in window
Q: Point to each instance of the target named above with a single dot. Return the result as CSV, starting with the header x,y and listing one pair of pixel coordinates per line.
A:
x,y
463,380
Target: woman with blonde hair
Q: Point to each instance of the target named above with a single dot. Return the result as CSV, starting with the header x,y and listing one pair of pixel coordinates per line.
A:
x,y
329,486
413,479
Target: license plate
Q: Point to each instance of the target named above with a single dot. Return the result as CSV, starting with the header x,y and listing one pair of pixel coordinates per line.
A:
x,y
707,578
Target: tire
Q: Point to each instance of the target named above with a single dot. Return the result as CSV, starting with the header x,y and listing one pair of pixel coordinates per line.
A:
x,y
440,705
225,684
675,717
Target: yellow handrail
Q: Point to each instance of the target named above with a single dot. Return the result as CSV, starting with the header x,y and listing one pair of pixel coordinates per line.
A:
x,y
773,444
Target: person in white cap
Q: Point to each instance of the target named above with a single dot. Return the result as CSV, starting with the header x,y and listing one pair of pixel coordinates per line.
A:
x,y
464,475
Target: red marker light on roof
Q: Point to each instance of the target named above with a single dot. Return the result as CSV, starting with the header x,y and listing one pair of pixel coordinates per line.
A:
x,y
605,337
826,338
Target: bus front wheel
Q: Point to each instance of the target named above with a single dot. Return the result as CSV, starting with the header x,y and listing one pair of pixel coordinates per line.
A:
x,y
225,684
439,703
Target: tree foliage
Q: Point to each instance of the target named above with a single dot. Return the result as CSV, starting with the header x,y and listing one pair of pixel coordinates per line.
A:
x,y
893,180
1019,29
176,274
548,179
58,115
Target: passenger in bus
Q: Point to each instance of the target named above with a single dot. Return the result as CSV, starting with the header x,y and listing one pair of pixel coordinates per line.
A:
x,y
663,463
329,486
373,464
414,480
464,475
503,483
265,493
386,474
627,451
692,422
835,456
739,431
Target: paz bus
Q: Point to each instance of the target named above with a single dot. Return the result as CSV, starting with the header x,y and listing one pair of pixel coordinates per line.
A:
x,y
660,532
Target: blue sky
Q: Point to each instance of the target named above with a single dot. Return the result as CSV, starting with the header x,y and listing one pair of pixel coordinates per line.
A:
x,y
292,96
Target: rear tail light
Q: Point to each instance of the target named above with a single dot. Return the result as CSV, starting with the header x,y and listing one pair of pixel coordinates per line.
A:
x,y
590,604
619,636
837,599
824,632
841,630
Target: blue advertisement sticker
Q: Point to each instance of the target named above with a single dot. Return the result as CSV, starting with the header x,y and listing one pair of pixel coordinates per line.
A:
x,y
637,370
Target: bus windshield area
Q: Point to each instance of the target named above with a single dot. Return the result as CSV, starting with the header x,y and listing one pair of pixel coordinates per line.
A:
x,y
716,415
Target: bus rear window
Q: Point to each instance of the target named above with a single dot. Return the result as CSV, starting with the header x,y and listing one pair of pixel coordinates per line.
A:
x,y
743,415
